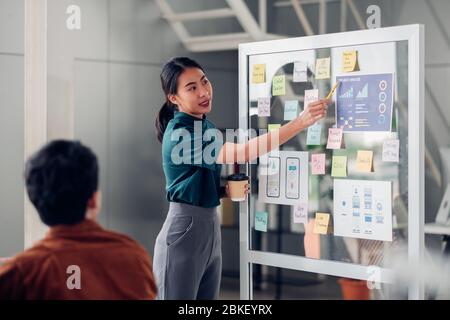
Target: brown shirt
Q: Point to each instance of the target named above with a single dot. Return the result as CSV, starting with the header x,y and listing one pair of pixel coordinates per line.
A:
x,y
111,266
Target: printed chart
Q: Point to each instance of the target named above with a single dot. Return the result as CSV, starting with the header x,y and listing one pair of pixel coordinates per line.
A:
x,y
362,209
364,102
284,177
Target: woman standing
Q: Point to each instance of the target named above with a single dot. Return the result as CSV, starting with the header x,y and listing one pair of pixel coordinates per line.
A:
x,y
187,257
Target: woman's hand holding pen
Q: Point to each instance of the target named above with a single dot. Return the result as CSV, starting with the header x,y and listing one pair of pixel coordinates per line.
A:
x,y
273,139
314,112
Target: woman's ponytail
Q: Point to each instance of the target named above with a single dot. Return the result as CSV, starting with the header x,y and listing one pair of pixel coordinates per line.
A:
x,y
165,114
169,82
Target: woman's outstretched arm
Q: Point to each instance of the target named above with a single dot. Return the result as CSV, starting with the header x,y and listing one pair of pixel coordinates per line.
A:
x,y
258,146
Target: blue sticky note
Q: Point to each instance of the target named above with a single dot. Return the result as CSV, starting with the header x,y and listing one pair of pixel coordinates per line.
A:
x,y
290,109
261,221
313,136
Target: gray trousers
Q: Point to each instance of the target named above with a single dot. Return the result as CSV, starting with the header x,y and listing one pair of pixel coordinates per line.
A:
x,y
187,261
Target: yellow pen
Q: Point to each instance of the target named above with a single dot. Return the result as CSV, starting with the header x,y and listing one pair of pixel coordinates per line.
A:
x,y
332,90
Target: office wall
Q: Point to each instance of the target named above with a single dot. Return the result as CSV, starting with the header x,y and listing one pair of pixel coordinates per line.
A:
x,y
434,15
11,126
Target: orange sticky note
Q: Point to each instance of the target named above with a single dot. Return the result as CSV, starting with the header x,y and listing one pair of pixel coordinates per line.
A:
x,y
364,160
350,61
322,223
311,241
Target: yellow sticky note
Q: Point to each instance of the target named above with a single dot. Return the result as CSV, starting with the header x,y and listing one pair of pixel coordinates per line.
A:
x,y
323,68
322,223
364,161
278,86
259,73
350,61
273,126
339,166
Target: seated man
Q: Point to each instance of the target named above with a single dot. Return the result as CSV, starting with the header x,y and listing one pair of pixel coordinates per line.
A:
x,y
77,259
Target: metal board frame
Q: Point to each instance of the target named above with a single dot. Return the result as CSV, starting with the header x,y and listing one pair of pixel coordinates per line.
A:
x,y
414,34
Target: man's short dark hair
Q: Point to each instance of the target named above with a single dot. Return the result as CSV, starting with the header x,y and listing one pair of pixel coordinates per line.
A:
x,y
60,179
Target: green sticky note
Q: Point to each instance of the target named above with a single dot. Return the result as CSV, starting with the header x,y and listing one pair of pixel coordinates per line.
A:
x,y
339,166
273,126
313,135
278,86
290,109
261,221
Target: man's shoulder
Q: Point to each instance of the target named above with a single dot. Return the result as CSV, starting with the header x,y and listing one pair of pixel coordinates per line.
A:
x,y
51,247
23,260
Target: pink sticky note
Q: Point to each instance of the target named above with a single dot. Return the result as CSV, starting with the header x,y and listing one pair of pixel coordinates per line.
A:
x,y
318,163
263,107
334,138
301,213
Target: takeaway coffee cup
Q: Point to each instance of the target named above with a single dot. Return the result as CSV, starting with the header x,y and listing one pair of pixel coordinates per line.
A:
x,y
236,185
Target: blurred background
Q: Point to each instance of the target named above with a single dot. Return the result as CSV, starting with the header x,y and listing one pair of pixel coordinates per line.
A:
x,y
103,88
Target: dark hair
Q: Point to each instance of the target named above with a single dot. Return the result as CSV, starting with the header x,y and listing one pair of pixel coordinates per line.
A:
x,y
60,179
169,81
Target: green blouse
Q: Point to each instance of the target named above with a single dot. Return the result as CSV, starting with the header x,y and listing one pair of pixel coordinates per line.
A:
x,y
189,161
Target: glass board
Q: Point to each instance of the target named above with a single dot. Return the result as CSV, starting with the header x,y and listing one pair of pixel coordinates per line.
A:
x,y
361,240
